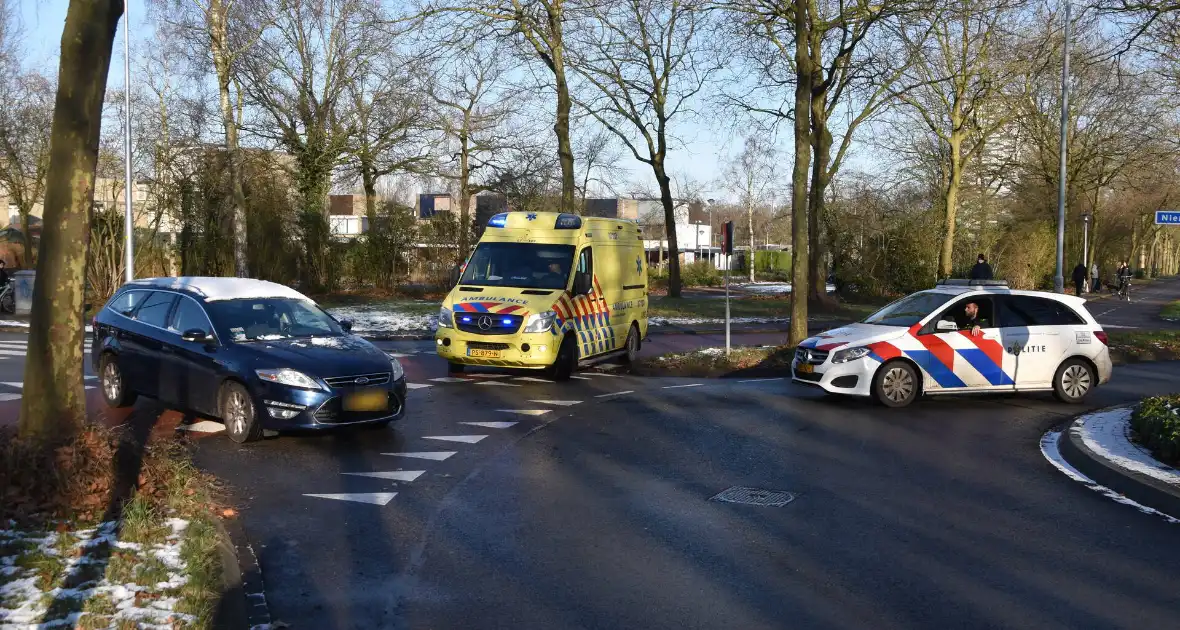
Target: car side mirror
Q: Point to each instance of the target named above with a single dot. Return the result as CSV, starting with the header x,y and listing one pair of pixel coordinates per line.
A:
x,y
582,283
346,325
195,335
946,325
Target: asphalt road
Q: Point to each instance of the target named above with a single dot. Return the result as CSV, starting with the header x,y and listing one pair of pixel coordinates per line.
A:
x,y
1143,310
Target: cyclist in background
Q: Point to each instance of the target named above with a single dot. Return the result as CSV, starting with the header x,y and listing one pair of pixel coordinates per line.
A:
x,y
1124,277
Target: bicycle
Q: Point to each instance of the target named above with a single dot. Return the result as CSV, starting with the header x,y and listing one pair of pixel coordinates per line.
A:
x,y
8,298
1124,290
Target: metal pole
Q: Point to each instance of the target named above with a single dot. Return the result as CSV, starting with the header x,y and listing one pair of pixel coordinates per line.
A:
x,y
128,218
1059,278
727,305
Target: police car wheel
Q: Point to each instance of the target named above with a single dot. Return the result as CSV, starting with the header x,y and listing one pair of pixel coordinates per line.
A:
x,y
1073,381
895,384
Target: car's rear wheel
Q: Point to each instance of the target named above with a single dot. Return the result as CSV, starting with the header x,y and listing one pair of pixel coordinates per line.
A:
x,y
566,362
632,345
1074,380
454,368
114,385
895,384
238,414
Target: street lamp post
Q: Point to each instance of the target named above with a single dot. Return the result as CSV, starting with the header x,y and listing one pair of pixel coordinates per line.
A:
x,y
128,219
710,208
1059,277
1086,242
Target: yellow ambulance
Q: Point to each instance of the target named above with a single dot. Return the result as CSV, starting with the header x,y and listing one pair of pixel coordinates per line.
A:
x,y
548,291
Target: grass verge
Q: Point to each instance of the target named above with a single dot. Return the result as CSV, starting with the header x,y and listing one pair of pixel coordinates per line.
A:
x,y
771,308
86,544
1144,345
1171,312
1156,422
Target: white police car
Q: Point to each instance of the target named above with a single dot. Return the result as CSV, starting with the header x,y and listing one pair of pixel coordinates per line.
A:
x,y
926,343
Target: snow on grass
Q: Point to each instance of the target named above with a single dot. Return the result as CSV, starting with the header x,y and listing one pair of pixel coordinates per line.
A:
x,y
696,321
773,288
36,565
387,318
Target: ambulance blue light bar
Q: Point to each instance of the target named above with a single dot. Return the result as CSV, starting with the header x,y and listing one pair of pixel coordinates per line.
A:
x,y
568,222
500,220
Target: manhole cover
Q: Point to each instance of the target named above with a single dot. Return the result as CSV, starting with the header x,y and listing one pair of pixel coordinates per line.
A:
x,y
754,496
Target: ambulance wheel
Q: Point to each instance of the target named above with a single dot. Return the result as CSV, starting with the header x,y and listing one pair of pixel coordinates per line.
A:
x,y
895,384
1073,381
454,368
566,361
632,345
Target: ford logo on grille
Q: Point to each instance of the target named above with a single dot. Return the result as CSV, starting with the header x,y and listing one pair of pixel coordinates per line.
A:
x,y
361,381
485,322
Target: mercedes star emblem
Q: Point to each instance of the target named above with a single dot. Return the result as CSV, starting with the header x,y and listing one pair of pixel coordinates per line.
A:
x,y
485,322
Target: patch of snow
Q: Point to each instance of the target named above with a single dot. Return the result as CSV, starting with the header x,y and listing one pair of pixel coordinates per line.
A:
x,y
1106,433
384,320
693,321
19,324
330,342
1051,452
773,288
265,337
216,289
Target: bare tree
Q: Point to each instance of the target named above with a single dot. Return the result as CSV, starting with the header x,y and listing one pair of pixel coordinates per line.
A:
x,y
751,175
297,76
225,30
645,61
54,404
599,154
540,25
24,144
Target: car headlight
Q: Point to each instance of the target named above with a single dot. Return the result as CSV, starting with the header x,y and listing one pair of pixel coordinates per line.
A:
x,y
540,322
850,354
289,377
396,366
446,319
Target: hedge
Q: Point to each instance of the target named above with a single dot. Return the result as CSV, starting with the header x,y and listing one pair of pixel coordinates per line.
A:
x,y
1156,422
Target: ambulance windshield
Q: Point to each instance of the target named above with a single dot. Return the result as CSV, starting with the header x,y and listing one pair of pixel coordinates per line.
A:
x,y
520,265
909,310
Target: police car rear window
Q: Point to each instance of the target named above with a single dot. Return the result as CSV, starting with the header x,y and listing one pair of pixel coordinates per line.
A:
x,y
1026,310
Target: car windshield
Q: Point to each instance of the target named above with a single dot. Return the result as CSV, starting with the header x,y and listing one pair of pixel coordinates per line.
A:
x,y
268,319
909,310
523,265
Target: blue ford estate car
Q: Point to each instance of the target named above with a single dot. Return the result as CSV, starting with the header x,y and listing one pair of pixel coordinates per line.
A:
x,y
256,354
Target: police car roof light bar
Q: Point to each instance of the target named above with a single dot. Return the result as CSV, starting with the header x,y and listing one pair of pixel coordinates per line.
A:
x,y
962,282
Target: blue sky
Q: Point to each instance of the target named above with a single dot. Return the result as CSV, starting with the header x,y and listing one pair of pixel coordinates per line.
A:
x,y
702,157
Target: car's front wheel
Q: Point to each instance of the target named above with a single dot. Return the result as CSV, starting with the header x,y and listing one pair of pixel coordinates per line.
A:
x,y
237,412
1074,380
566,362
114,385
895,384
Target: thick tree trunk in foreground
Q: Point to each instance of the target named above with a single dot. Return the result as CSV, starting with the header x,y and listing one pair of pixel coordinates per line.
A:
x,y
802,163
946,259
565,151
54,403
219,46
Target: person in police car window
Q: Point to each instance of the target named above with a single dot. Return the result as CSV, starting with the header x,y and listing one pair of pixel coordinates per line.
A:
x,y
970,320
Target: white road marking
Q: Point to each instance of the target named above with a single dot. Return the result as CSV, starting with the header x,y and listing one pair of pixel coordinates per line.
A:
x,y
679,386
490,375
761,380
8,397
397,355
615,394
526,412
562,403
602,374
12,353
11,384
89,378
418,385
91,387
437,456
466,439
532,379
451,379
204,426
491,425
498,384
580,378
372,498
395,475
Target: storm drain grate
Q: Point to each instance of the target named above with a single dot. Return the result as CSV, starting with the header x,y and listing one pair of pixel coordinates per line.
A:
x,y
754,496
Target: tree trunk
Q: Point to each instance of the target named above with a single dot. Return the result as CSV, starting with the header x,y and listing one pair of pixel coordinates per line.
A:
x,y
27,257
750,220
54,403
219,47
951,198
802,163
561,127
822,147
369,181
465,188
670,228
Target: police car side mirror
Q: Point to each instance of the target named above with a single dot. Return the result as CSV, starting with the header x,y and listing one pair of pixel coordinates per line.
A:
x,y
946,325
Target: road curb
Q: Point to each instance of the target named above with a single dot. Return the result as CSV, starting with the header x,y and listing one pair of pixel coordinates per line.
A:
x,y
231,609
249,608
1134,485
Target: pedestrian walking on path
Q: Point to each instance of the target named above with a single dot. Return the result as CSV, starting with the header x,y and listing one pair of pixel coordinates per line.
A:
x,y
1095,279
1079,278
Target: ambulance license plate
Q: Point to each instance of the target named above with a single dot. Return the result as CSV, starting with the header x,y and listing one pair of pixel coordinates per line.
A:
x,y
483,354
805,368
367,400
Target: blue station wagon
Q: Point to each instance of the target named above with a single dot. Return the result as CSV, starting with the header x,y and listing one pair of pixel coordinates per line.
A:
x,y
256,354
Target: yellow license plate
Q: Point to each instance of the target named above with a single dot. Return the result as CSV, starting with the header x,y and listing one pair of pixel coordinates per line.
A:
x,y
369,400
483,354
805,368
